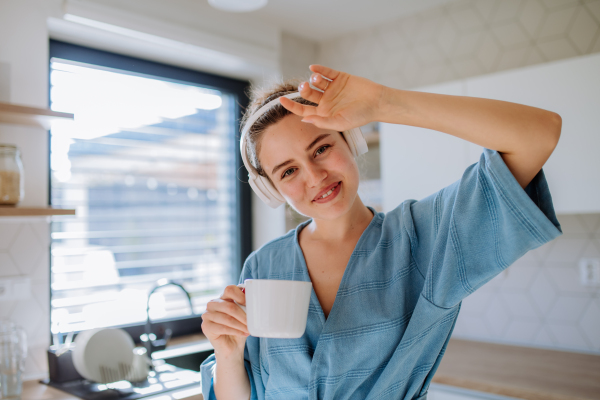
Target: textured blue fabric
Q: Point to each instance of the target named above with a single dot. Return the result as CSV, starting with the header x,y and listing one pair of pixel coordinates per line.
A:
x,y
401,291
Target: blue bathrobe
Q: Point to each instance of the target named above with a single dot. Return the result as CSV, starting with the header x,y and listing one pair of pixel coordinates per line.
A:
x,y
401,291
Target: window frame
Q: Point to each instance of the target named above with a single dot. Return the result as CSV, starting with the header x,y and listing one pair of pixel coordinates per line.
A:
x,y
68,51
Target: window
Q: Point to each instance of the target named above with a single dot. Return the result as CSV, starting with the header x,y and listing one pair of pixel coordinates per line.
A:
x,y
150,164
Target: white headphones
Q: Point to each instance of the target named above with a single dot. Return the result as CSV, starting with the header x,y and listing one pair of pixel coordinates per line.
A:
x,y
260,184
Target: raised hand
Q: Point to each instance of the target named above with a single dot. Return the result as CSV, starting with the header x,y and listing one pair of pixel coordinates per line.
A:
x,y
347,101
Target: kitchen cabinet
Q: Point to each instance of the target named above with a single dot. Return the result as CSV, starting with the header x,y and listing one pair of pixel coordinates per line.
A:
x,y
417,162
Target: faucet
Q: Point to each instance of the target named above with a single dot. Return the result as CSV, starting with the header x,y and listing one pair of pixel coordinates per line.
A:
x,y
148,338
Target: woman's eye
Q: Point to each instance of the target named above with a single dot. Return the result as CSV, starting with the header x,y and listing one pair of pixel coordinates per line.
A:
x,y
321,149
287,172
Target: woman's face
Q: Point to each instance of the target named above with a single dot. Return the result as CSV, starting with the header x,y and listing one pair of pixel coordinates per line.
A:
x,y
312,168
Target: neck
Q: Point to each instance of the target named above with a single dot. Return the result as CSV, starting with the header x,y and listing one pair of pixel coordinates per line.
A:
x,y
351,224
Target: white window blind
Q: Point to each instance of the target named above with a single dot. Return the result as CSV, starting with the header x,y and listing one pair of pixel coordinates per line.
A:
x,y
149,166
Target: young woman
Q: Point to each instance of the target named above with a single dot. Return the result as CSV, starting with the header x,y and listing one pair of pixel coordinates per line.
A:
x,y
387,288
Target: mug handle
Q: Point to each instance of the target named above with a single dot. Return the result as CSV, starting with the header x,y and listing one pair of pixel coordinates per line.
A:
x,y
243,287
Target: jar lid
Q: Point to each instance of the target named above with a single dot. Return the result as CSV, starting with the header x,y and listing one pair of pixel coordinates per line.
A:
x,y
8,146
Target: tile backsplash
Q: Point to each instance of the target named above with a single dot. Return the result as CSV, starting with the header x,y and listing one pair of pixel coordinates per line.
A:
x,y
24,252
465,38
539,300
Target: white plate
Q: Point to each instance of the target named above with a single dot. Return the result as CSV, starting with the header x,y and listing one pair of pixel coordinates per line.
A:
x,y
103,355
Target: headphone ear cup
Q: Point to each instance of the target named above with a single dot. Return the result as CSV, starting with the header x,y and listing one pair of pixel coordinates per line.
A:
x,y
356,141
265,191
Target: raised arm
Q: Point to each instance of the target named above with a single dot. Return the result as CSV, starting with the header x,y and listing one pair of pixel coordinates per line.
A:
x,y
524,136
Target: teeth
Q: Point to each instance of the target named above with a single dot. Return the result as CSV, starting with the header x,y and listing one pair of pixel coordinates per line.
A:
x,y
328,193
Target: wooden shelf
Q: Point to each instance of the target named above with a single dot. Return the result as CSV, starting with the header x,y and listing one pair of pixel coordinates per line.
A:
x,y
12,211
30,116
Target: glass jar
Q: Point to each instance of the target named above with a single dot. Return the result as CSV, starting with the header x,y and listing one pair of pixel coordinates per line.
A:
x,y
11,175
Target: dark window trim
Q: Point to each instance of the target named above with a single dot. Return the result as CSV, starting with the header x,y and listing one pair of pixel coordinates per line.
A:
x,y
68,51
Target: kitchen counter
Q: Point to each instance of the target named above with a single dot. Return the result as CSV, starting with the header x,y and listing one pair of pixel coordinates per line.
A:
x,y
522,372
33,390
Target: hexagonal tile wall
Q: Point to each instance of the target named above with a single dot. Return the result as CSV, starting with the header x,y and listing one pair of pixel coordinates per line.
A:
x,y
24,251
466,38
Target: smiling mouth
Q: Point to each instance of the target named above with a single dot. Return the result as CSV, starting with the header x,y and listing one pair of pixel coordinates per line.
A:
x,y
328,193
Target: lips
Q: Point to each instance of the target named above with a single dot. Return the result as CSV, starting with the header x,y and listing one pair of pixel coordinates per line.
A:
x,y
327,189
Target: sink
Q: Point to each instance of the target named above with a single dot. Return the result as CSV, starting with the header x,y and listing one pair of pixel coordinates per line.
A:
x,y
189,361
188,356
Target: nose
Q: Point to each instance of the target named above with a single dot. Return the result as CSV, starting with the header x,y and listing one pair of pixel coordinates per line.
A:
x,y
315,175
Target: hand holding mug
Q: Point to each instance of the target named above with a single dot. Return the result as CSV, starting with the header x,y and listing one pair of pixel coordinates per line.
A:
x,y
224,322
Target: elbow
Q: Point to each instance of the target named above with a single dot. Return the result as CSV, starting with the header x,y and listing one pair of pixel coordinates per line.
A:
x,y
556,122
549,133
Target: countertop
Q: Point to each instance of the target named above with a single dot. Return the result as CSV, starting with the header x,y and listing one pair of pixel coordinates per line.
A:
x,y
33,390
522,372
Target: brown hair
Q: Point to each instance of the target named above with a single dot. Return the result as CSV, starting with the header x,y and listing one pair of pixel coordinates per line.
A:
x,y
259,96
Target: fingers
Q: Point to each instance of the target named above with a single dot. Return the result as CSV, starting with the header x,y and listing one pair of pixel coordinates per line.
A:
x,y
328,72
310,93
226,320
232,292
227,307
321,79
320,82
297,108
215,330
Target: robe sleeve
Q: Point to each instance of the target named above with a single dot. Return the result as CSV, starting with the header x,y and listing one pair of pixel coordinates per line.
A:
x,y
468,232
208,366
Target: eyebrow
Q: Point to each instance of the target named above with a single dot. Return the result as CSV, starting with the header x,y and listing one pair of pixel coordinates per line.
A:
x,y
317,140
310,146
283,164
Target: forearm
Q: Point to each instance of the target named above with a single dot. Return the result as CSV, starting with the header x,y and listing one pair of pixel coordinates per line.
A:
x,y
231,380
498,125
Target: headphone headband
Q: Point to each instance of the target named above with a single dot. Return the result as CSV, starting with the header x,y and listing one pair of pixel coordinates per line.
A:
x,y
253,118
261,185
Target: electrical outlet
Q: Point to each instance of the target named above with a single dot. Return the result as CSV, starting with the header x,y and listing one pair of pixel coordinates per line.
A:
x,y
5,290
15,288
589,271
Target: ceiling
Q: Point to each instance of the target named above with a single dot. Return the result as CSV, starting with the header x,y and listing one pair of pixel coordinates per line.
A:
x,y
326,19
317,20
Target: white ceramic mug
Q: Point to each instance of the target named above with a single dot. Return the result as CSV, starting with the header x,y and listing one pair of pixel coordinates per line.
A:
x,y
276,308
